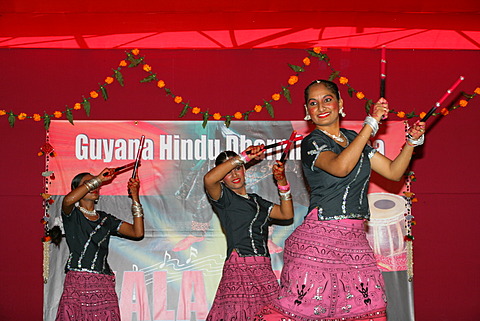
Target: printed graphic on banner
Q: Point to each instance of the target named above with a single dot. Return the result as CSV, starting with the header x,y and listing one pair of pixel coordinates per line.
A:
x,y
173,273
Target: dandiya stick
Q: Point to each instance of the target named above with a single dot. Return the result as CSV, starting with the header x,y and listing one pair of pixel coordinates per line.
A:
x,y
139,156
283,142
441,100
383,73
289,146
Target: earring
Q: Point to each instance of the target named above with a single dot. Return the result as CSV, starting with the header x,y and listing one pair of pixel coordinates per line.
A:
x,y
342,112
307,115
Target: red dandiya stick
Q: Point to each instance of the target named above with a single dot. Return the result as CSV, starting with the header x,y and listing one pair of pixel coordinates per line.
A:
x,y
441,100
289,145
283,142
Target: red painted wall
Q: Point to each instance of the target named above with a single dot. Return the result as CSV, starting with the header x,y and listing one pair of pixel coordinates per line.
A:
x,y
446,241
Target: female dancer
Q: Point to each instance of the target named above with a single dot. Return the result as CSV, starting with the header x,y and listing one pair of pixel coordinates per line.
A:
x,y
329,270
89,287
248,282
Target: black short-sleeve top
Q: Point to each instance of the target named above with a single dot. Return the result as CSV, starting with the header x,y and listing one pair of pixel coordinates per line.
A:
x,y
245,221
88,241
336,197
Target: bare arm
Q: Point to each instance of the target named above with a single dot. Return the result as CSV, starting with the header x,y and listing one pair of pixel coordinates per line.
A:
x,y
135,230
284,211
342,164
395,169
78,193
213,178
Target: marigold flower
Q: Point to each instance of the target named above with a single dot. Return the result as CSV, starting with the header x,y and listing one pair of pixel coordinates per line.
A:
x,y
477,91
238,115
37,117
217,116
57,114
123,63
22,116
414,200
3,112
317,50
401,114
257,108
293,80
135,51
40,154
276,96
360,95
444,111
409,194
160,84
109,80
195,110
93,94
147,67
463,103
306,61
422,114
178,99
343,80
77,106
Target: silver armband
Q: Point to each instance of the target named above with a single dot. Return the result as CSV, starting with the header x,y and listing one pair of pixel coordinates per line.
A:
x,y
373,123
137,209
93,183
285,196
415,142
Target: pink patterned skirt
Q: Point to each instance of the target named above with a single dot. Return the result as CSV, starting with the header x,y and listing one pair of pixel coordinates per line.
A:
x,y
88,297
329,273
247,285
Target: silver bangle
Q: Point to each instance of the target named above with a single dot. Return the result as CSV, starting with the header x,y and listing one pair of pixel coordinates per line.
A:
x,y
93,183
237,161
415,142
373,123
137,209
285,196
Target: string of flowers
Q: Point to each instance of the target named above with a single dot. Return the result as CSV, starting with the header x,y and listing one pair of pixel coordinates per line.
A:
x,y
132,60
317,52
409,222
267,104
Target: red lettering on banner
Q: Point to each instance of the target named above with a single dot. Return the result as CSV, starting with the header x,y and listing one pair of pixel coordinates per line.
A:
x,y
134,298
192,301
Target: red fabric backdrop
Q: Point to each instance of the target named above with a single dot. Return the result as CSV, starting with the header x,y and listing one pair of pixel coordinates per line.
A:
x,y
446,242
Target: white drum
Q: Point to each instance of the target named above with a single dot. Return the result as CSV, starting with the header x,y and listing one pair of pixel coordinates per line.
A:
x,y
386,229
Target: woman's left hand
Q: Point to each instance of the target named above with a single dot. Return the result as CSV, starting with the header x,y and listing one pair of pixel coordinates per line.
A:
x,y
278,171
417,130
134,186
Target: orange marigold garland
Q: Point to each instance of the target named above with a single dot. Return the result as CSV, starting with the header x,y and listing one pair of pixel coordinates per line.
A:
x,y
133,60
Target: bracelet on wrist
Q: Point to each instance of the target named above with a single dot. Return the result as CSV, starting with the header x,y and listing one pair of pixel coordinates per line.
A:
x,y
93,184
284,187
137,209
373,123
415,142
244,157
285,196
237,161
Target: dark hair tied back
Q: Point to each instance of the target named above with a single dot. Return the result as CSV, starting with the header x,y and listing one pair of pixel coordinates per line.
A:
x,y
327,83
223,156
